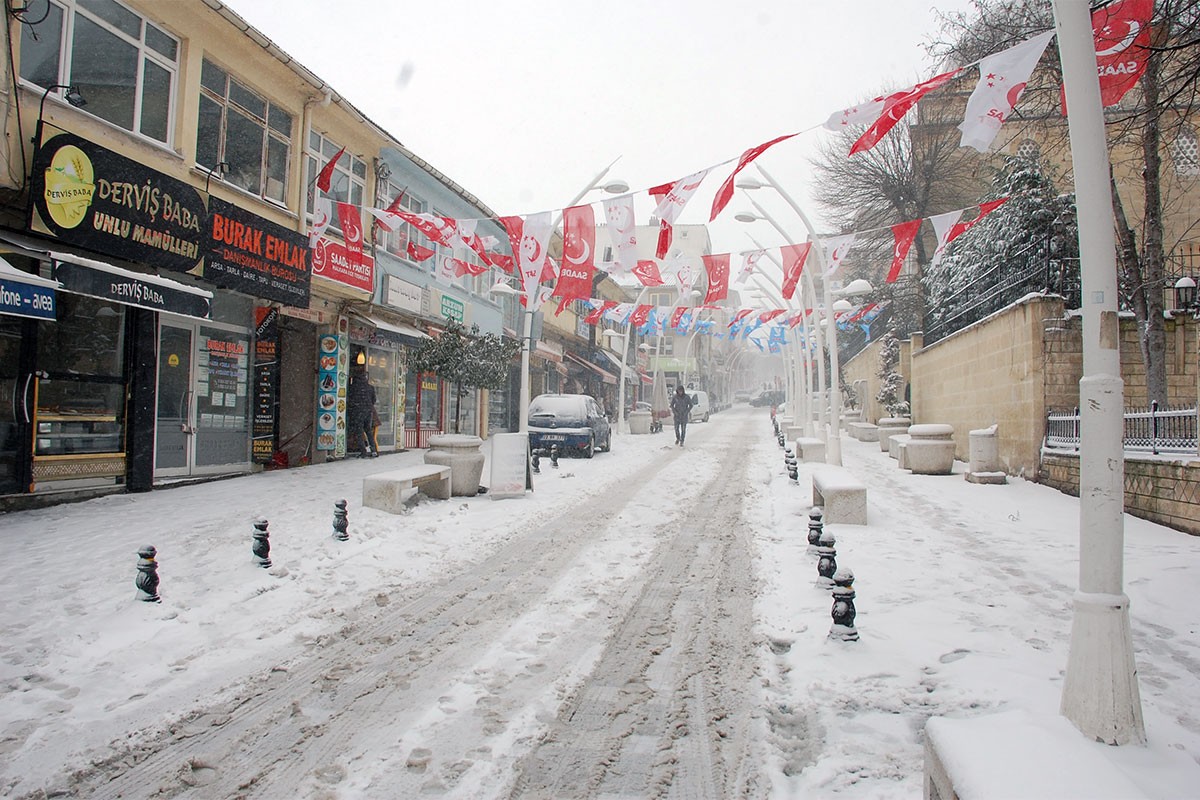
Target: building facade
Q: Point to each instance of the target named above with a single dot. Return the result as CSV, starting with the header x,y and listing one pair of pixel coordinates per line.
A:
x,y
164,313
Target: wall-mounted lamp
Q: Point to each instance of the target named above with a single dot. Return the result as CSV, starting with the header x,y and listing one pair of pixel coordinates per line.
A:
x,y
1185,294
220,169
382,170
360,359
73,96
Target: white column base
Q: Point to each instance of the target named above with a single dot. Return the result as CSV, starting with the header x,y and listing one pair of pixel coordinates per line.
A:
x,y
1100,693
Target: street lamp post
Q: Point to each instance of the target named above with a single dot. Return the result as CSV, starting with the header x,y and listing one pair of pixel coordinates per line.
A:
x,y
818,255
612,334
1100,689
855,287
526,344
799,377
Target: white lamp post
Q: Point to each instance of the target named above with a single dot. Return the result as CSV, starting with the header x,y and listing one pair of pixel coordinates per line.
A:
x,y
798,378
612,334
818,255
1100,689
854,288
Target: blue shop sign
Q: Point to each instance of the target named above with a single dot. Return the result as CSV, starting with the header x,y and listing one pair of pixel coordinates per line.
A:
x,y
26,300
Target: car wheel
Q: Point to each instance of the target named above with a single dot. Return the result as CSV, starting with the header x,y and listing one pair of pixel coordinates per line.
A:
x,y
607,443
706,417
589,449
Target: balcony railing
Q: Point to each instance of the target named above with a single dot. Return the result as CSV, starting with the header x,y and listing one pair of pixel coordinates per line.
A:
x,y
1151,430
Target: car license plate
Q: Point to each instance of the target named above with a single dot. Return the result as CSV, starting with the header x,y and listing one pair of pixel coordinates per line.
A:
x,y
554,437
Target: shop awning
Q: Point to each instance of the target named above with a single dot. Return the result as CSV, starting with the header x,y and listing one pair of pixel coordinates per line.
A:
x,y
404,334
143,290
605,375
630,377
26,295
83,275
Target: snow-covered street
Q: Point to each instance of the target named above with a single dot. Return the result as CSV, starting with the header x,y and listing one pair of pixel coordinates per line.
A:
x,y
644,624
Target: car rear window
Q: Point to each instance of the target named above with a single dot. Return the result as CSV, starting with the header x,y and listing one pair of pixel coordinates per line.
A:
x,y
562,406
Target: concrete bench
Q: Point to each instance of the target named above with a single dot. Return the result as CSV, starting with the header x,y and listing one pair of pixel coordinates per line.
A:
x,y
842,496
388,491
896,444
863,431
810,449
891,426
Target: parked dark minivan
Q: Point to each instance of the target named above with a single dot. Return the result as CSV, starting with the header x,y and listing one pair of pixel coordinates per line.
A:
x,y
571,421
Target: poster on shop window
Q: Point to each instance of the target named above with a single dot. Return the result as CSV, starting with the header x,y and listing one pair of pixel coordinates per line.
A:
x,y
333,370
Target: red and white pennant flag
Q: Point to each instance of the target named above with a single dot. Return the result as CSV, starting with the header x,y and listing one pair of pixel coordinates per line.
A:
x,y
1002,79
885,111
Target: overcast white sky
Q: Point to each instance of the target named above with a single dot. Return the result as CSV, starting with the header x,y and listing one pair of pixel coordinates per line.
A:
x,y
523,103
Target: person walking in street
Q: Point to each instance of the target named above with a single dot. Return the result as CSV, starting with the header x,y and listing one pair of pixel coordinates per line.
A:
x,y
360,408
681,408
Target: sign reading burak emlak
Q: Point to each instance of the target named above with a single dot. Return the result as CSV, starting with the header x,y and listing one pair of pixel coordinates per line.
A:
x,y
252,255
94,198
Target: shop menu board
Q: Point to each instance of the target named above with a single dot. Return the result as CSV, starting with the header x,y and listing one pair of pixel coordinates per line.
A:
x,y
510,465
266,380
333,371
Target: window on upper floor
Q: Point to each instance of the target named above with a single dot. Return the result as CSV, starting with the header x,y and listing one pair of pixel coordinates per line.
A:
x,y
124,65
349,181
396,242
1185,153
250,134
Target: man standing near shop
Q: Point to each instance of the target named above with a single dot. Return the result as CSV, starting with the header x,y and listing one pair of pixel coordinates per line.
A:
x,y
681,408
360,408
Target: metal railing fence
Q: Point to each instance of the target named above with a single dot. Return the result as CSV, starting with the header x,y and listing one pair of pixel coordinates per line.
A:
x,y
1150,430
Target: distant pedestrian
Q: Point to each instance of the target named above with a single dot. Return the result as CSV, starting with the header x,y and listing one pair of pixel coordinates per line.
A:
x,y
360,410
681,408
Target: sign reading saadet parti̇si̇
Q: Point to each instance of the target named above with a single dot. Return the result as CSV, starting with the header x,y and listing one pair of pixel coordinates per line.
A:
x,y
89,196
252,255
266,380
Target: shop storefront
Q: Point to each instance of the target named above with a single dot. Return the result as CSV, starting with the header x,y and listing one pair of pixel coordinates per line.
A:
x,y
423,411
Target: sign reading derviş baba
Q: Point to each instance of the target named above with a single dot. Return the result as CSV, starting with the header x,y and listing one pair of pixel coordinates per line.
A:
x,y
92,197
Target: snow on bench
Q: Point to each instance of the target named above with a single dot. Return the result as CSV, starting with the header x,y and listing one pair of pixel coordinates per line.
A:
x,y
842,496
810,449
388,491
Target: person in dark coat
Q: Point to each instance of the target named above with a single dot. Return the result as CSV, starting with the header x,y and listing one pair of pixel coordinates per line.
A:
x,y
360,412
681,408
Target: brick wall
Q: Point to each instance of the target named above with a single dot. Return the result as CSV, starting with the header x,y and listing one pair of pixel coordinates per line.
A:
x,y
1164,491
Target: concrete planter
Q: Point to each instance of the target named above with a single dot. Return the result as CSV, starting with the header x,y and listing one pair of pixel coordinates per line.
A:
x,y
930,449
889,427
639,421
460,453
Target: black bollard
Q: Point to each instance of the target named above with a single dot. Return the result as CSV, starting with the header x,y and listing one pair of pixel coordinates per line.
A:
x,y
843,611
554,456
815,527
341,523
261,546
147,577
781,439
537,461
827,563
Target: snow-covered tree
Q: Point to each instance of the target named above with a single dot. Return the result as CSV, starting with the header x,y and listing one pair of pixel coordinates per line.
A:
x,y
1029,244
890,380
468,359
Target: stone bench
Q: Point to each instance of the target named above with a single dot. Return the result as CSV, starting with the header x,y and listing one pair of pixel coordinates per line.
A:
x,y
895,447
1019,754
388,491
863,431
842,496
891,426
810,449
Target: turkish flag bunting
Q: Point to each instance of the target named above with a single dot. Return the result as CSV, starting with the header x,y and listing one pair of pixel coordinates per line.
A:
x,y
326,177
741,314
767,316
796,319
794,256
501,261
1122,34
322,215
647,272
958,229
677,315
599,311
717,267
725,193
640,315
862,312
895,106
665,231
350,221
579,246
462,268
418,253
903,235
749,262
1002,79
